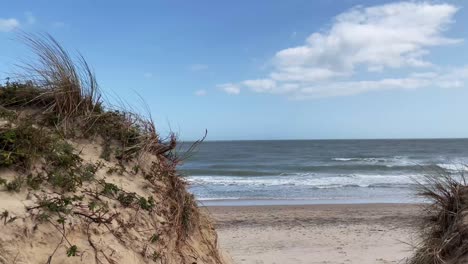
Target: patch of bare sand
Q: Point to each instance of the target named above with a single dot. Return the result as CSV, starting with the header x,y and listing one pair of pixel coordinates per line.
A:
x,y
360,234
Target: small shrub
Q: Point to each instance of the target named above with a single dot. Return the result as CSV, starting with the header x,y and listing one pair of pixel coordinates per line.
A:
x,y
8,115
43,217
154,238
62,204
65,180
34,181
21,94
126,199
21,144
110,189
62,155
146,204
88,171
135,169
72,251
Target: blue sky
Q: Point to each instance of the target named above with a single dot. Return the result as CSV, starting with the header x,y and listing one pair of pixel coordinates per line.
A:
x,y
268,69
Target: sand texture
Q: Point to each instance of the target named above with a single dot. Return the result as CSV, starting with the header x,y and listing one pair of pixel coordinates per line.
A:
x,y
360,234
126,238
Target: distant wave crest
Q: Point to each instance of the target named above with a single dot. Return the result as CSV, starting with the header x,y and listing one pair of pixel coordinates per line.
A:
x,y
310,180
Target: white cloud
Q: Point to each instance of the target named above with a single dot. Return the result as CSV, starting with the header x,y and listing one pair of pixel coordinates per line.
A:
x,y
391,38
260,85
198,67
200,92
387,36
230,88
8,24
454,78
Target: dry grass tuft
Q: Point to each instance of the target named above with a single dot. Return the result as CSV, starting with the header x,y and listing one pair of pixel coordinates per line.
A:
x,y
68,85
444,232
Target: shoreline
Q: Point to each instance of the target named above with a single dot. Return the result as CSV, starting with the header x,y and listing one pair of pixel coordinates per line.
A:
x,y
319,233
297,202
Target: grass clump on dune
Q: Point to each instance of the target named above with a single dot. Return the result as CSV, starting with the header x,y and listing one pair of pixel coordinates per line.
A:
x,y
65,96
444,232
69,85
44,115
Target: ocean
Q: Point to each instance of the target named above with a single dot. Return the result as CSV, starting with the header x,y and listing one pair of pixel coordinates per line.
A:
x,y
317,171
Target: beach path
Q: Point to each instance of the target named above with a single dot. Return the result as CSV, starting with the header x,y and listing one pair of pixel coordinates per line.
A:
x,y
358,233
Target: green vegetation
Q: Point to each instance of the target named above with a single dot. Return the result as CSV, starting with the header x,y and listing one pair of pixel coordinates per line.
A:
x,y
21,143
72,251
154,238
17,94
41,120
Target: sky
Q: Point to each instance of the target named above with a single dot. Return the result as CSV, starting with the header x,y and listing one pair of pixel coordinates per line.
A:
x,y
250,70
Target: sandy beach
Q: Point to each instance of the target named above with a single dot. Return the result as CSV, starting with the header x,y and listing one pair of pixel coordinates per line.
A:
x,y
357,233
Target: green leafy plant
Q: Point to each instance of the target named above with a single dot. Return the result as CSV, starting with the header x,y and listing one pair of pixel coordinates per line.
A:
x,y
126,199
110,189
62,155
146,204
72,251
35,181
65,180
135,169
154,238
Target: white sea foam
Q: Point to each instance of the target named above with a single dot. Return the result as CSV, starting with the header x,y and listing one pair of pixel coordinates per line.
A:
x,y
453,166
387,161
311,180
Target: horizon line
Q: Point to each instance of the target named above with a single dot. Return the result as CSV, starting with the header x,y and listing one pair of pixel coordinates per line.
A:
x,y
329,139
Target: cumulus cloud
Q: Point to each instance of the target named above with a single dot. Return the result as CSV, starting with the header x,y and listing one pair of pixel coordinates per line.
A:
x,y
261,85
8,24
387,36
454,78
392,37
200,92
230,88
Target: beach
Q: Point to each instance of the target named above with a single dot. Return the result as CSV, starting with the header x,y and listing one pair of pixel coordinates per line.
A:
x,y
327,233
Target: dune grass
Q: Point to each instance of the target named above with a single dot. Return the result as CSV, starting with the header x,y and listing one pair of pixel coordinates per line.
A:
x,y
444,231
64,91
54,101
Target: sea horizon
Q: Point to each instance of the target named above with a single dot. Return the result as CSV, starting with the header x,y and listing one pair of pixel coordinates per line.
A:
x,y
322,139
